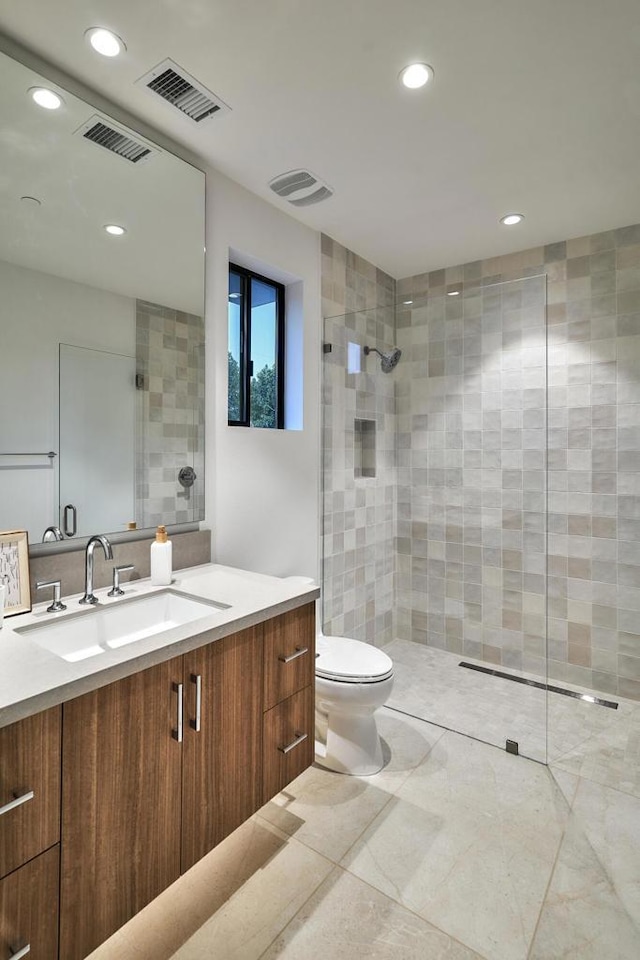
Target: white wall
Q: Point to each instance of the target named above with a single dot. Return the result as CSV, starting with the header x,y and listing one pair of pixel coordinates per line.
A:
x,y
262,486
37,313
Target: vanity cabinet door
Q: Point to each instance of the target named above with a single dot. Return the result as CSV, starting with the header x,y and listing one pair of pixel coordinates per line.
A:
x,y
121,776
222,764
289,741
29,788
289,651
29,909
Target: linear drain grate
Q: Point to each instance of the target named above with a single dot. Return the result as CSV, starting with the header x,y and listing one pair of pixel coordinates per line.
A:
x,y
540,686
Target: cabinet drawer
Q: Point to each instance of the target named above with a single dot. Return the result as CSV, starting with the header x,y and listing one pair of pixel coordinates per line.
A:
x,y
289,654
29,909
29,774
288,741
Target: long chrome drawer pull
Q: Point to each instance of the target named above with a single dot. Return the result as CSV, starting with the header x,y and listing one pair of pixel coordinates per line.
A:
x,y
179,688
17,802
300,652
19,954
197,723
300,738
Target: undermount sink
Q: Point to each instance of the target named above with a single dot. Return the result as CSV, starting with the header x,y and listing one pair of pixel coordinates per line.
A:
x,y
87,633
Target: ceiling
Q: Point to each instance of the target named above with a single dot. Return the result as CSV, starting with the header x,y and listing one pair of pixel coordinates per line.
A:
x,y
535,108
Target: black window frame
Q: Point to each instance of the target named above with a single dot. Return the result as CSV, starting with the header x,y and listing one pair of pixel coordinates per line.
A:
x,y
245,363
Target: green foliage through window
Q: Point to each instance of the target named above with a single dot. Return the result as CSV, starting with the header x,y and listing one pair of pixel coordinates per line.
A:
x,y
256,350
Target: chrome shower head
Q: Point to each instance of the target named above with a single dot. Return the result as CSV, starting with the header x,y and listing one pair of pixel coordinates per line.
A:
x,y
387,360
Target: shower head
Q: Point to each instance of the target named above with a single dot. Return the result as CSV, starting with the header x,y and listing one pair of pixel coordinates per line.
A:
x,y
387,360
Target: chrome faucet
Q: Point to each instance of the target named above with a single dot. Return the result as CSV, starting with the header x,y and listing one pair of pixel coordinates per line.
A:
x,y
89,596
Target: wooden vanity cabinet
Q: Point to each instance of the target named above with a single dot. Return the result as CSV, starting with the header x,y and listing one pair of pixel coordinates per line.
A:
x,y
121,804
29,788
289,693
159,767
29,835
29,909
222,757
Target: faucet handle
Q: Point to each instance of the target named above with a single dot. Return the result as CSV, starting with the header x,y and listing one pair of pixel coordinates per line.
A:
x,y
57,605
116,591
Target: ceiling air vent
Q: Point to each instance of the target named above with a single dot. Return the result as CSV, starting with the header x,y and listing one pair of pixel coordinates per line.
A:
x,y
117,140
182,91
301,188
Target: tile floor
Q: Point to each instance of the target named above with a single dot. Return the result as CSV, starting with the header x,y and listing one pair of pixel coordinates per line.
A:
x,y
454,851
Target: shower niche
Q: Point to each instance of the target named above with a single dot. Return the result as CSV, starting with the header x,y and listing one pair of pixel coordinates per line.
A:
x,y
364,461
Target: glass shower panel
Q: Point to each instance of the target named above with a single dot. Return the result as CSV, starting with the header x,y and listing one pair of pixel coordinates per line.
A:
x,y
471,579
462,503
359,478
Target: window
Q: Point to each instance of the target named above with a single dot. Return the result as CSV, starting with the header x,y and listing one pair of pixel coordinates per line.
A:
x,y
256,350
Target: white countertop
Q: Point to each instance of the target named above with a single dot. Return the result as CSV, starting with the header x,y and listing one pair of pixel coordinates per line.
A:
x,y
33,679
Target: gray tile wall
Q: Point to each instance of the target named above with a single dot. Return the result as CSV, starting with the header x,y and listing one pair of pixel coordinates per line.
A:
x,y
593,395
359,511
471,433
170,356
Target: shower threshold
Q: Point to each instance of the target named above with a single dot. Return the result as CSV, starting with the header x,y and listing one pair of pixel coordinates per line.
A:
x,y
588,698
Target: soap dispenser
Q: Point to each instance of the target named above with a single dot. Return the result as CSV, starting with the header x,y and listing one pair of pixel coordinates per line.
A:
x,y
161,559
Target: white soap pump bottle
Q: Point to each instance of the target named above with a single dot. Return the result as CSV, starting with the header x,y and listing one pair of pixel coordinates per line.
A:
x,y
161,559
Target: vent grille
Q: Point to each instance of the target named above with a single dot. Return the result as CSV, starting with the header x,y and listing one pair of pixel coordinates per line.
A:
x,y
301,188
322,193
118,141
182,91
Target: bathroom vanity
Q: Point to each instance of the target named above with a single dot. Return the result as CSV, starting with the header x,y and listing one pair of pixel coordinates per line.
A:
x,y
128,766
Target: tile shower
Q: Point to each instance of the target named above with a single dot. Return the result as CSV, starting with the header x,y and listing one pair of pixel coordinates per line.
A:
x,y
513,488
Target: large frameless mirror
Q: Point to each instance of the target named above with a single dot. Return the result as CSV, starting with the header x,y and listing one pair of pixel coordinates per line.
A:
x,y
101,319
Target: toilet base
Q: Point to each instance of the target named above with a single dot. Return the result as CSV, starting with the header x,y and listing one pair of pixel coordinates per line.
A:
x,y
352,744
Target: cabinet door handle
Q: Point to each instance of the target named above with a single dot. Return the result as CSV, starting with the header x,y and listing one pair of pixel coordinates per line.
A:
x,y
300,652
19,954
300,738
177,733
197,723
16,803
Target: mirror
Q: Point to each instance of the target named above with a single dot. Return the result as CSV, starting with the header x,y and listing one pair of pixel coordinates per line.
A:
x,y
101,332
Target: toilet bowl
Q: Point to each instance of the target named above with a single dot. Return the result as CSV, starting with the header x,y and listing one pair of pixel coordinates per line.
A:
x,y
353,679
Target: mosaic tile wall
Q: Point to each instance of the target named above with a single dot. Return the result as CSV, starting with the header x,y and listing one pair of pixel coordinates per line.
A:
x,y
359,511
593,328
170,357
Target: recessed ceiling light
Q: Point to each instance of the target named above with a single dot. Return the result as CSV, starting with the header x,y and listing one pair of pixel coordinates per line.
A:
x,y
46,98
105,42
415,75
114,229
453,293
407,302
511,219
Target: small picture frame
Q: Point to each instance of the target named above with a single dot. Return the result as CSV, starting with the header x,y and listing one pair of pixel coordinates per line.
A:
x,y
14,571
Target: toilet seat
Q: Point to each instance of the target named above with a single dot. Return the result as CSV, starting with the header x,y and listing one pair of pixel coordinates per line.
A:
x,y
351,661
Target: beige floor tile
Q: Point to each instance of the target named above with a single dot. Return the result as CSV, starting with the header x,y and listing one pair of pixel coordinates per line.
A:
x,y
326,811
347,918
610,757
586,914
468,843
249,921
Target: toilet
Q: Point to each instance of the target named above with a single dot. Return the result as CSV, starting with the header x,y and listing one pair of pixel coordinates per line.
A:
x,y
353,679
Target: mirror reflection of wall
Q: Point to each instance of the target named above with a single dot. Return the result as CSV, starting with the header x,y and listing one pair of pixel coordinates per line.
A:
x,y
66,280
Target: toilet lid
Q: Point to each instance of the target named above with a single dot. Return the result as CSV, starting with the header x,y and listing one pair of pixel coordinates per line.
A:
x,y
352,661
